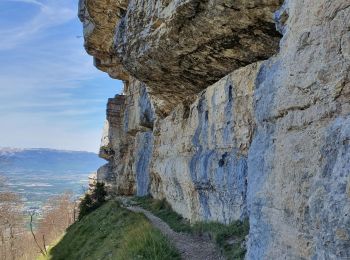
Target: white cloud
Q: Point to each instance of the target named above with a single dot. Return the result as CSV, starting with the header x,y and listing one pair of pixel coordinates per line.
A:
x,y
27,1
50,93
51,13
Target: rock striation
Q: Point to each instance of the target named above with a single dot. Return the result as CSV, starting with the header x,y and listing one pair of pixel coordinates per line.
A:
x,y
232,110
179,48
127,141
200,153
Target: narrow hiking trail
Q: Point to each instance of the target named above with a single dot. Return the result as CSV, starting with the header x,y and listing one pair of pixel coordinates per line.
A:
x,y
190,247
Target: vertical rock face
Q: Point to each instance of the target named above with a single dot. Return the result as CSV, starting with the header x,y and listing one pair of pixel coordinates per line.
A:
x,y
200,151
222,136
144,147
127,141
298,166
117,149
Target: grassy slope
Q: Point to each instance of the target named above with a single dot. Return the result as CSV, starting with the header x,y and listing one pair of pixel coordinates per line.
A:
x,y
164,211
228,237
111,232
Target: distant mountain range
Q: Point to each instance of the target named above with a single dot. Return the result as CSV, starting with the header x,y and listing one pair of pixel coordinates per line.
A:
x,y
48,159
39,173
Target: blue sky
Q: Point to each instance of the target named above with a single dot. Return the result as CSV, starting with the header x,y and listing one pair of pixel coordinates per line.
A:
x,y
51,95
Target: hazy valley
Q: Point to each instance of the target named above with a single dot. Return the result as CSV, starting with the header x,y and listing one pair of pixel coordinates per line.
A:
x,y
37,174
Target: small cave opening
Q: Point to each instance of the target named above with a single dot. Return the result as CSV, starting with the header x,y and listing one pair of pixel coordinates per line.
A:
x,y
222,161
186,111
230,93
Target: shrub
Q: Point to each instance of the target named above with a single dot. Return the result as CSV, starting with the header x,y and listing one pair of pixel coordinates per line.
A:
x,y
85,206
99,194
92,201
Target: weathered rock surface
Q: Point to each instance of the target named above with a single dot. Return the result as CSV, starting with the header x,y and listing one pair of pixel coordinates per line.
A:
x,y
117,149
99,20
127,141
299,159
200,151
223,140
178,47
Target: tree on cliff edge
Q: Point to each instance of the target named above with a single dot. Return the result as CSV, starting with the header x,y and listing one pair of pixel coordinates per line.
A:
x,y
92,201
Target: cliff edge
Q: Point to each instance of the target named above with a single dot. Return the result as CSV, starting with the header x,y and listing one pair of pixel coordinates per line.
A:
x,y
232,110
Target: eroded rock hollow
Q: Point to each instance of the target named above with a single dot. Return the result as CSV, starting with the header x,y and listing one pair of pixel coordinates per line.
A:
x,y
232,110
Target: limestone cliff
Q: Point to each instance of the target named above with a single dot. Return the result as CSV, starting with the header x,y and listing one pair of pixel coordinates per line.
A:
x,y
231,110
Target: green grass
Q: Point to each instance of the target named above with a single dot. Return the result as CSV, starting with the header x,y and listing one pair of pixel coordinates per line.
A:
x,y
229,238
112,232
163,210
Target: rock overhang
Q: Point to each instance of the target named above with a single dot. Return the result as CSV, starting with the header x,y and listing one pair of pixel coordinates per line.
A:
x,y
178,48
100,19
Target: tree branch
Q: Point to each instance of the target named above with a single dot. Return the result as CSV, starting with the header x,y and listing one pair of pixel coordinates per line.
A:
x,y
31,230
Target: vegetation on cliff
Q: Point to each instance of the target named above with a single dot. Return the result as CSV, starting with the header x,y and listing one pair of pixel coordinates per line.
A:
x,y
112,232
93,200
229,238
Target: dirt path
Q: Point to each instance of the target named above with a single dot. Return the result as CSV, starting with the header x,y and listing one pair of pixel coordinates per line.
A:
x,y
190,247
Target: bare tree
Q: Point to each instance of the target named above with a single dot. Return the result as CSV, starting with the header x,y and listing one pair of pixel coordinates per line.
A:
x,y
16,241
43,252
58,215
11,223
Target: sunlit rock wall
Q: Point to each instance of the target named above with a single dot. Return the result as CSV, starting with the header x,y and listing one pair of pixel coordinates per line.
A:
x,y
200,151
299,159
127,141
180,47
138,124
117,148
221,134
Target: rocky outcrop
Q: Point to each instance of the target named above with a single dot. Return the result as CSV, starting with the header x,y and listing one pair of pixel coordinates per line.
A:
x,y
298,162
99,20
178,48
222,135
127,141
200,151
117,149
